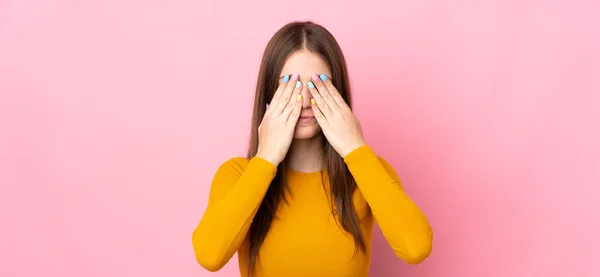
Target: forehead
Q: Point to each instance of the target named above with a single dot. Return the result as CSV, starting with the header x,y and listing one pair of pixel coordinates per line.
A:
x,y
305,63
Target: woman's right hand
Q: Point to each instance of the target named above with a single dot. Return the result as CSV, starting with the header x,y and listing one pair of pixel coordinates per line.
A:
x,y
276,130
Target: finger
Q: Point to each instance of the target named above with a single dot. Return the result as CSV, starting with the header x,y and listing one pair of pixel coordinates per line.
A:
x,y
335,94
276,95
321,119
286,95
318,101
293,119
294,100
282,84
323,92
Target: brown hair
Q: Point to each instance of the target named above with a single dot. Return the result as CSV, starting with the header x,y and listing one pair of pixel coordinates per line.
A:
x,y
290,38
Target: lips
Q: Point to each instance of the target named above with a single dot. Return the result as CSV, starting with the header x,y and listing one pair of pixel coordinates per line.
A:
x,y
305,119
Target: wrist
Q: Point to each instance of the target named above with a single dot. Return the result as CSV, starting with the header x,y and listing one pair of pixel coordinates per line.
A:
x,y
353,147
269,158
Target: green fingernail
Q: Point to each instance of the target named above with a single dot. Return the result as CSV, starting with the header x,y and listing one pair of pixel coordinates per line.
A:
x,y
310,84
298,84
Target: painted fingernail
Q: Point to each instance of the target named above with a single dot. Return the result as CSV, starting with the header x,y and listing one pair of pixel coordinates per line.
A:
x,y
312,101
266,106
323,77
311,85
299,98
315,77
286,78
295,76
298,84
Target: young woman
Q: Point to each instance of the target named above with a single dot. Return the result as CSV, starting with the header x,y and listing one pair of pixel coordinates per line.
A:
x,y
304,201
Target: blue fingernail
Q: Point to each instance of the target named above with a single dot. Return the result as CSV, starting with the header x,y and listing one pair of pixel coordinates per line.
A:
x,y
311,85
298,84
323,77
286,78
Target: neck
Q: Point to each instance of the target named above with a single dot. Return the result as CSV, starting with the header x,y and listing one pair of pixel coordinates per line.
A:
x,y
305,155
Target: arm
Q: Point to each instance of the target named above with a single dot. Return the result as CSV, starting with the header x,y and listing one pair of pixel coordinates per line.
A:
x,y
237,190
403,224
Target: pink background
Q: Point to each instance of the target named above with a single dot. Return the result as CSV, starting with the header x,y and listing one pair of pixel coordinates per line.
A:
x,y
114,116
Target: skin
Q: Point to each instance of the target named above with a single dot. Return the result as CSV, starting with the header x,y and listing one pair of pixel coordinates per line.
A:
x,y
305,150
292,128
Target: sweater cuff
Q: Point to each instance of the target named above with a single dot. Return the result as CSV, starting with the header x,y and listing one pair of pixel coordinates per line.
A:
x,y
261,165
361,154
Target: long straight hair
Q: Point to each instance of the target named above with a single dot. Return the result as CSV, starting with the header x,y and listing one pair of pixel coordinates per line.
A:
x,y
290,38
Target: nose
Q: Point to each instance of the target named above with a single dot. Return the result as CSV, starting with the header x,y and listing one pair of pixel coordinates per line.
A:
x,y
306,96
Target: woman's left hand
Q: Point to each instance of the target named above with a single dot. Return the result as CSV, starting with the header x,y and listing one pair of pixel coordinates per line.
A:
x,y
339,125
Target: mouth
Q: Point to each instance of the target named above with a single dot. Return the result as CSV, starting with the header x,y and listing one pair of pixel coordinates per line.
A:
x,y
306,119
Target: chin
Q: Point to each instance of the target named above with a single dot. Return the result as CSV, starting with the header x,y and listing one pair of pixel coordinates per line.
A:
x,y
307,131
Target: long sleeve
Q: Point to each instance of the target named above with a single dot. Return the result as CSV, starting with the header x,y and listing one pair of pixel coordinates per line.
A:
x,y
402,223
237,190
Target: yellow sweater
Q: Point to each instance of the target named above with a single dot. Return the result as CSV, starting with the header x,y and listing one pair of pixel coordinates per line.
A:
x,y
304,240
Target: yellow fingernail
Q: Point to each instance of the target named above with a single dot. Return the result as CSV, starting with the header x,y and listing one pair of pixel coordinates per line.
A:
x,y
299,98
312,101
